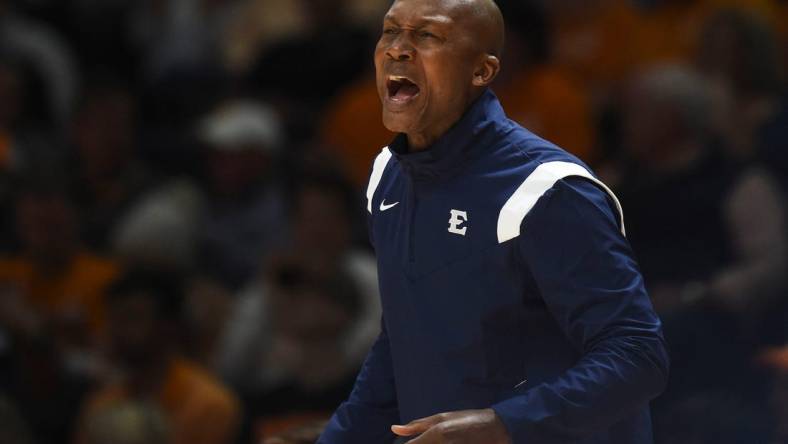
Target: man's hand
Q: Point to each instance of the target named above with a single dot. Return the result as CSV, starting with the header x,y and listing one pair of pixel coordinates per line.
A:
x,y
465,427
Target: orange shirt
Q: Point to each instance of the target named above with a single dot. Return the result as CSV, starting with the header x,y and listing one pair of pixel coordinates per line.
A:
x,y
353,128
672,32
199,409
615,38
598,48
551,104
77,291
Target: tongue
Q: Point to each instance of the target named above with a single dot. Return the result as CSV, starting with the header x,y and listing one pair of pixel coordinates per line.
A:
x,y
406,91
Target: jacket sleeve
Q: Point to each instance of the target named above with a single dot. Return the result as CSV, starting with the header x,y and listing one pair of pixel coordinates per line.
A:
x,y
371,409
584,269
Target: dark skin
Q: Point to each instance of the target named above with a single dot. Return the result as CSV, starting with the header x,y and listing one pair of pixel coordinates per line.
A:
x,y
445,54
433,59
462,427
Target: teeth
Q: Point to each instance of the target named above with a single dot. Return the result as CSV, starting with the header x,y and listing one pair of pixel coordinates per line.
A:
x,y
398,78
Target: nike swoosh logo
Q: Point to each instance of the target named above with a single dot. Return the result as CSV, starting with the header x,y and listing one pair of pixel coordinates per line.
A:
x,y
384,207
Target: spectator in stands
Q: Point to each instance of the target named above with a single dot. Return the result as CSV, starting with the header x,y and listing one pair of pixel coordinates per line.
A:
x,y
51,312
56,277
23,116
738,55
176,33
253,26
538,92
322,219
110,176
709,234
330,44
36,377
311,315
668,31
145,323
50,315
37,45
244,207
162,228
587,40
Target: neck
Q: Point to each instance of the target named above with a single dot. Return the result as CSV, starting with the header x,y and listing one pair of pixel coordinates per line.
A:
x,y
423,140
420,142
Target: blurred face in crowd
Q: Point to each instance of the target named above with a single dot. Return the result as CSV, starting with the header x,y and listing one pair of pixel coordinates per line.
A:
x,y
321,222
432,60
135,328
47,225
649,127
104,132
234,171
738,51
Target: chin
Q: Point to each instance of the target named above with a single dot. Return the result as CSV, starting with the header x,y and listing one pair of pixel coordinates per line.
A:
x,y
397,122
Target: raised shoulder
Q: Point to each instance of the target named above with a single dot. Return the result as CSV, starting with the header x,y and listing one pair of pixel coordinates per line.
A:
x,y
377,173
542,179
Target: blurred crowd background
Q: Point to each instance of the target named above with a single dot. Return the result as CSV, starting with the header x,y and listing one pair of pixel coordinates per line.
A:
x,y
183,249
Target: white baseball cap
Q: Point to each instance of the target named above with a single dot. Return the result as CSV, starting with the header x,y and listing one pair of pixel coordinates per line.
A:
x,y
242,124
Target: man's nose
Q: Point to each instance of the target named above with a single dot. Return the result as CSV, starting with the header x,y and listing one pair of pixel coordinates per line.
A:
x,y
401,48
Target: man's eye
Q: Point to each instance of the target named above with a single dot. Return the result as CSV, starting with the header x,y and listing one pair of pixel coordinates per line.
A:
x,y
389,31
426,35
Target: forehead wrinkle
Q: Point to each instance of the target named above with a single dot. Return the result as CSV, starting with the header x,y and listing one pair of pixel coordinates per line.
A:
x,y
439,19
436,19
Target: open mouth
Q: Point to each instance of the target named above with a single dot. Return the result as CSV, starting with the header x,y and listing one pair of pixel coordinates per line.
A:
x,y
401,89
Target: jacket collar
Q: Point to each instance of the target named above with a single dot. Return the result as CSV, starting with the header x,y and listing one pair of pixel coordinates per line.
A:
x,y
470,137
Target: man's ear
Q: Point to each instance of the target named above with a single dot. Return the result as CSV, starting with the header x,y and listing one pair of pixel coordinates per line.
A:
x,y
487,71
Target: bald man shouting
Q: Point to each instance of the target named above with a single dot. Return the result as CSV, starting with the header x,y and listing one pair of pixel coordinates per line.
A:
x,y
513,310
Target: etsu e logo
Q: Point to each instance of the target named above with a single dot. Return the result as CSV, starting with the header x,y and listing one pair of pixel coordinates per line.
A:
x,y
457,221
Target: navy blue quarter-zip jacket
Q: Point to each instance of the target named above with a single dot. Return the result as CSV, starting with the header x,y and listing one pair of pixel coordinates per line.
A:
x,y
507,282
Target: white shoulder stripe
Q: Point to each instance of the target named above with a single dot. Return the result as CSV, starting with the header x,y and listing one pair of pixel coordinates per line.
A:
x,y
377,173
535,185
